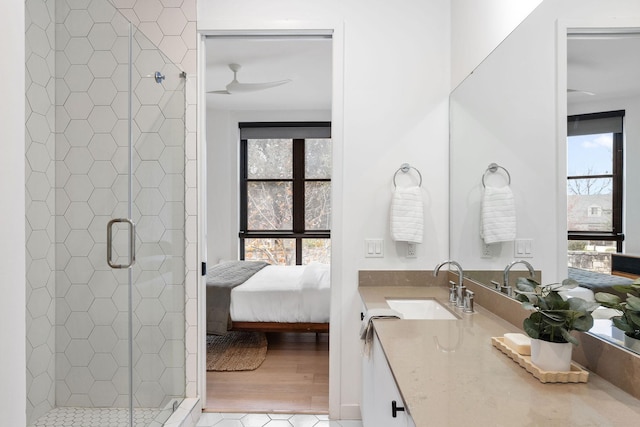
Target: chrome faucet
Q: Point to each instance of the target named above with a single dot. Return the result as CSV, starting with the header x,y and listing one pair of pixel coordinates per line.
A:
x,y
506,288
460,289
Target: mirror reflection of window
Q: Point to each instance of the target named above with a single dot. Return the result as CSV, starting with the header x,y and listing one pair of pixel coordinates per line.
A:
x,y
594,188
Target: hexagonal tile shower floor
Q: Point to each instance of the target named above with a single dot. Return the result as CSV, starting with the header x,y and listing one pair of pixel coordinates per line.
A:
x,y
99,417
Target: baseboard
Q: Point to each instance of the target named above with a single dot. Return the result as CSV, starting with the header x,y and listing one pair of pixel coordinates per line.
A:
x,y
350,412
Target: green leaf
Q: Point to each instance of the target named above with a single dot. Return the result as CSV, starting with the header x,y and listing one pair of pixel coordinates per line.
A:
x,y
531,328
555,301
623,289
635,320
633,302
621,323
607,298
553,318
528,306
569,284
568,337
578,304
525,284
542,303
583,323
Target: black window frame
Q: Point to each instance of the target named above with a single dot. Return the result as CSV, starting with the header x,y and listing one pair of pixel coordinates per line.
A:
x,y
617,177
298,231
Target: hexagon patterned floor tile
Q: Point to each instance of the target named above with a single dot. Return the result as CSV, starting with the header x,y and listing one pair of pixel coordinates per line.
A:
x,y
271,420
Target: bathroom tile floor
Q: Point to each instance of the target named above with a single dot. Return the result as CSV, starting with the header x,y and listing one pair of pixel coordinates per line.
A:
x,y
270,420
98,417
117,417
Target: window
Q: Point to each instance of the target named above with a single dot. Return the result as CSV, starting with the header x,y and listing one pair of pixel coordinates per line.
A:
x,y
594,185
595,211
285,192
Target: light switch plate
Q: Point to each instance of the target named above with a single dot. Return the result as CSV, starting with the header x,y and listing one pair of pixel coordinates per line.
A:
x,y
523,248
373,248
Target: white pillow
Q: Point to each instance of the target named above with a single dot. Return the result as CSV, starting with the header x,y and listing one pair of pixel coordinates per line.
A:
x,y
316,275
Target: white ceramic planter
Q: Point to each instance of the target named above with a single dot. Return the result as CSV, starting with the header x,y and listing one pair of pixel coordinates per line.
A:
x,y
551,356
632,343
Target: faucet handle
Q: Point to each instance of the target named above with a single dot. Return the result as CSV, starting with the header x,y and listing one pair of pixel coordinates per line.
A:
x,y
461,293
496,284
507,289
452,292
468,301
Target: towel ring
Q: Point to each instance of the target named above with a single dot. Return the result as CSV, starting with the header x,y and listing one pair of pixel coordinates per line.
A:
x,y
405,168
493,168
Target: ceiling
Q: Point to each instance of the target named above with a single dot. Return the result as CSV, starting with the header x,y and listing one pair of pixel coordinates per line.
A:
x,y
306,60
607,65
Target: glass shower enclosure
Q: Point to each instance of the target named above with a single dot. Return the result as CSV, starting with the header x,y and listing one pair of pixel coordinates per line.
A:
x,y
119,222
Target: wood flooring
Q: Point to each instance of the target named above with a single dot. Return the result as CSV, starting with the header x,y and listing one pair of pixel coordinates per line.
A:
x,y
294,378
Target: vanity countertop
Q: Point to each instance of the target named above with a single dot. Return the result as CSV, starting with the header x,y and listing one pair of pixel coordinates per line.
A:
x,y
449,374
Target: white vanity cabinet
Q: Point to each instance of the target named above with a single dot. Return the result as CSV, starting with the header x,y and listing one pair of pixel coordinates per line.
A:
x,y
379,392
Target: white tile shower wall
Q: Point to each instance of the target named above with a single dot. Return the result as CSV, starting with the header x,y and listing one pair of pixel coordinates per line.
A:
x,y
91,166
40,196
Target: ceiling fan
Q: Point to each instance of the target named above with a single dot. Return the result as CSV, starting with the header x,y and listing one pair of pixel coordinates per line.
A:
x,y
236,87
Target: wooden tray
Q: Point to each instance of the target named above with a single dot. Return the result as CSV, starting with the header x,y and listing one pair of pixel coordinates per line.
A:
x,y
575,375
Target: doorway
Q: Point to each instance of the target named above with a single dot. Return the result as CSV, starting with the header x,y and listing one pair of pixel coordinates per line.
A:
x,y
293,359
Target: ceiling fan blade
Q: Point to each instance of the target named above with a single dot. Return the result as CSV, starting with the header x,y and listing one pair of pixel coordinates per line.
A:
x,y
585,92
237,87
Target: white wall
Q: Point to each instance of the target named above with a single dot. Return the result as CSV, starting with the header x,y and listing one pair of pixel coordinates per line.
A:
x,y
477,27
12,235
393,61
223,175
631,190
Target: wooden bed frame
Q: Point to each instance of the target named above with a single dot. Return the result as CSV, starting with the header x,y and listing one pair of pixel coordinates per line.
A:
x,y
625,265
279,327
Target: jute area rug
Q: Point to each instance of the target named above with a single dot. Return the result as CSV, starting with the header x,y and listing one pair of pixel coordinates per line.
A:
x,y
236,351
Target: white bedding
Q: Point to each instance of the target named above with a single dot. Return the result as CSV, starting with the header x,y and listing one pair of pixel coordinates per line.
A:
x,y
286,294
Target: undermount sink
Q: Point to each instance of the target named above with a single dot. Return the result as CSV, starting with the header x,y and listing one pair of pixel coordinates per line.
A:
x,y
420,308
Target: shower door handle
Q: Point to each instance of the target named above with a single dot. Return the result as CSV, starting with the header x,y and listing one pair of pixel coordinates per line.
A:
x,y
132,242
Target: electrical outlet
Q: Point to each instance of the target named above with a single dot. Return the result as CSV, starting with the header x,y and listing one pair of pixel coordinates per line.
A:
x,y
411,250
486,251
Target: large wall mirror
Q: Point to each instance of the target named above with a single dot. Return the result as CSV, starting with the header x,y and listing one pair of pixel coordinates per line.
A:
x,y
568,58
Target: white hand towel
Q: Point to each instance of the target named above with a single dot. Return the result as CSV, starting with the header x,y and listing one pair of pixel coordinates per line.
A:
x,y
498,217
407,215
366,329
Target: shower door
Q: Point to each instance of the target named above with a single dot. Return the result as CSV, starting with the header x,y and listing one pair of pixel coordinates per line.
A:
x,y
120,142
146,234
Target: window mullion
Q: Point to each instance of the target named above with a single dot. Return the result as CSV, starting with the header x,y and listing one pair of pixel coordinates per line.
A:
x,y
617,186
298,185
298,194
243,187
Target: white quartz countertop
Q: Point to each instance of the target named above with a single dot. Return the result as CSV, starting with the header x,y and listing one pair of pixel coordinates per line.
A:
x,y
449,374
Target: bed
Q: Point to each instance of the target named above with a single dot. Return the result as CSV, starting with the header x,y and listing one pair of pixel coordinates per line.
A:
x,y
597,282
256,296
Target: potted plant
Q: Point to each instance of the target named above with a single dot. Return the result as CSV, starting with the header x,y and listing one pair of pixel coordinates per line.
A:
x,y
552,320
629,319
